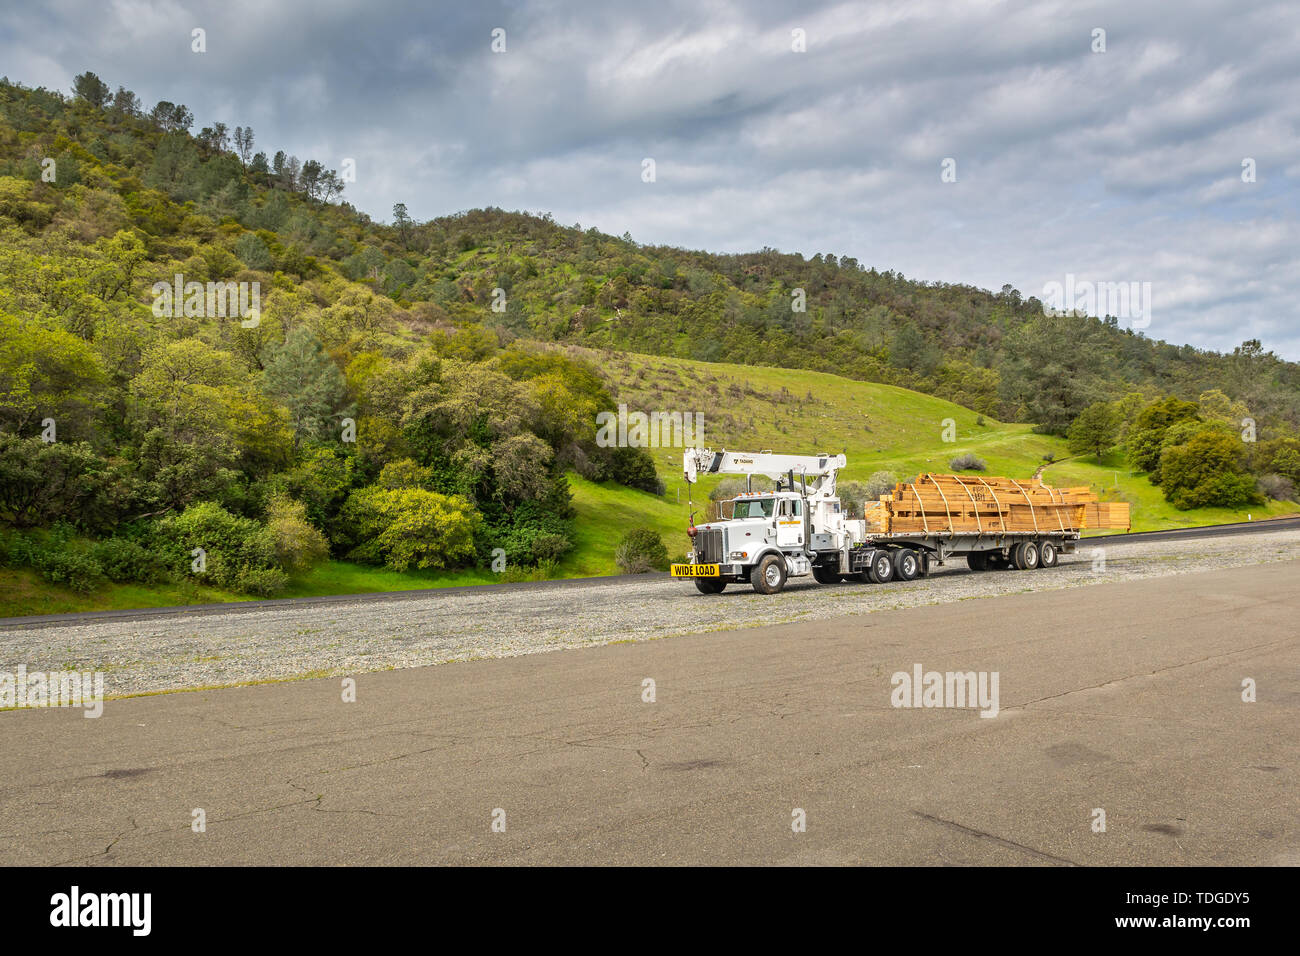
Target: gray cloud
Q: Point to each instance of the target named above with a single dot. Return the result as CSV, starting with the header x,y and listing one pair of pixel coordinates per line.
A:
x,y
1115,166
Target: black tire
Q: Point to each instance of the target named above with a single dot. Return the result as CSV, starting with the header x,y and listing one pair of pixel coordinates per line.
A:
x,y
1013,557
826,574
1029,556
907,564
1047,555
710,585
881,569
978,560
769,576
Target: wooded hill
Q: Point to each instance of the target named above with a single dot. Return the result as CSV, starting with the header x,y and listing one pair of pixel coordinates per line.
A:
x,y
179,430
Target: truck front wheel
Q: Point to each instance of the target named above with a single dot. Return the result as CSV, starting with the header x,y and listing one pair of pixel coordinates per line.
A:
x,y
769,576
710,585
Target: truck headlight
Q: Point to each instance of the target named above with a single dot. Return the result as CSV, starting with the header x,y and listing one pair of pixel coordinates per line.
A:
x,y
739,555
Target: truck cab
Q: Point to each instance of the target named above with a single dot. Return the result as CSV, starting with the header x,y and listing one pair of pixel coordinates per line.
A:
x,y
779,534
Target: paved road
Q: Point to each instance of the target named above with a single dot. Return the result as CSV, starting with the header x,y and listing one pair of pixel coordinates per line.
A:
x,y
354,601
1124,696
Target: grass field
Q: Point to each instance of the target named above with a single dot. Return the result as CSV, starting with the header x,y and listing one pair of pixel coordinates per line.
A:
x,y
878,427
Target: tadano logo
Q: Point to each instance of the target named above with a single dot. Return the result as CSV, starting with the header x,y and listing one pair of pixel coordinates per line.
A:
x,y
213,300
1123,300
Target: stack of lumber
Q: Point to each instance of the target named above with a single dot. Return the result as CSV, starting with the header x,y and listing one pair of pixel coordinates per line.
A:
x,y
962,504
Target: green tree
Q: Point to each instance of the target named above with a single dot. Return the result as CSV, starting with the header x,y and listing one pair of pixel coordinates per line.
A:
x,y
1146,437
1095,431
46,373
87,86
403,222
1206,471
302,376
253,252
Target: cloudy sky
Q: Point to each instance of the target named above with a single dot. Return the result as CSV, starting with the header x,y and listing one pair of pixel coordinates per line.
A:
x,y
1115,165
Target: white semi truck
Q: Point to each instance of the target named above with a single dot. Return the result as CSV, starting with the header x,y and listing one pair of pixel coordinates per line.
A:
x,y
800,528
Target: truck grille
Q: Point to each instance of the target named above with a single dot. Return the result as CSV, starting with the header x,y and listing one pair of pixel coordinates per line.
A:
x,y
708,546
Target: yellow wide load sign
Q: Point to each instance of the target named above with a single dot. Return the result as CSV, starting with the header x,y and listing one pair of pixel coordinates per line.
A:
x,y
695,571
962,504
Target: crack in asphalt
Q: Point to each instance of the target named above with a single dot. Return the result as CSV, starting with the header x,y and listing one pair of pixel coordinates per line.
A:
x,y
1159,670
1001,841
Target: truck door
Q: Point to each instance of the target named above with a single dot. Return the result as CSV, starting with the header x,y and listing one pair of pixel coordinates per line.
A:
x,y
789,524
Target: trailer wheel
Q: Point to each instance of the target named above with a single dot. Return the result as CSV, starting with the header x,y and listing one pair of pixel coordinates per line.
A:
x,y
1025,555
906,564
710,585
882,568
1029,555
1047,555
769,576
978,560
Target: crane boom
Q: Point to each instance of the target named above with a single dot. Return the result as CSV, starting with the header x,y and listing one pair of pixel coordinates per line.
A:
x,y
818,470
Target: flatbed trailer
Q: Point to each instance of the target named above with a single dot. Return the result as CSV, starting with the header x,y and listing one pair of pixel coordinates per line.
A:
x,y
982,552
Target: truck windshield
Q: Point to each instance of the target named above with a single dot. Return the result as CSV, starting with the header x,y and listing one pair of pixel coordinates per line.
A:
x,y
753,508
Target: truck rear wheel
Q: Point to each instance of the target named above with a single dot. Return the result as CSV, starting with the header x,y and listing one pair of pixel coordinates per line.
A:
x,y
769,576
978,560
710,585
1047,555
907,565
881,569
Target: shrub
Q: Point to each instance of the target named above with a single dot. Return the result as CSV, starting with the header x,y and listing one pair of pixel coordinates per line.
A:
x,y
634,468
549,548
124,559
67,566
298,544
1277,487
411,527
261,581
233,547
967,462
641,550
43,482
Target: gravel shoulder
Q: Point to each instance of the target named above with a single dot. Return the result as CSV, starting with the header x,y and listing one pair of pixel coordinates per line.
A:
x,y
162,653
